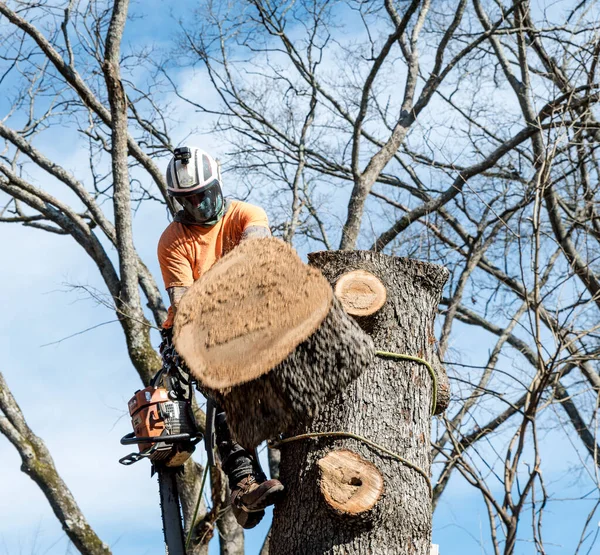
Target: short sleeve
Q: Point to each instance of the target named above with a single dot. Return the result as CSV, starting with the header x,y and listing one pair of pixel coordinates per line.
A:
x,y
175,265
253,216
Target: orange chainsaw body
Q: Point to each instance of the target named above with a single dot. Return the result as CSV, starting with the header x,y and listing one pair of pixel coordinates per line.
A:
x,y
155,414
145,416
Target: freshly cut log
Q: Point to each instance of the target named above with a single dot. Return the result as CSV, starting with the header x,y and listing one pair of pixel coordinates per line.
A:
x,y
264,336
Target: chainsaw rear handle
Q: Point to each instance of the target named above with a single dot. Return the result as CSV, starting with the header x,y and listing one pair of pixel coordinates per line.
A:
x,y
131,439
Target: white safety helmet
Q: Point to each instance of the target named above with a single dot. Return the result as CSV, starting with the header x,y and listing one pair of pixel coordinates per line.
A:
x,y
194,180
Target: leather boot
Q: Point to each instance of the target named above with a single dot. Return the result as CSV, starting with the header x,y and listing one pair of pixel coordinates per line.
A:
x,y
250,496
247,520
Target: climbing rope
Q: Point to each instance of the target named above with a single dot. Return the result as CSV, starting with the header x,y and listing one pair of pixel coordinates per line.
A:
x,y
372,444
189,536
276,444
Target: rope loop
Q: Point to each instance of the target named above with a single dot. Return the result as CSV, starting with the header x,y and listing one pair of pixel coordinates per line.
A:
x,y
403,356
372,444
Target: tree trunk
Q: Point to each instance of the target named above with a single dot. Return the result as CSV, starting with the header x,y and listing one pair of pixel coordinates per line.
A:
x,y
389,404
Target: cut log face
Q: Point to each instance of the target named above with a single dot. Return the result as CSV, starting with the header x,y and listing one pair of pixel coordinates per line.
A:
x,y
245,316
360,292
349,484
265,337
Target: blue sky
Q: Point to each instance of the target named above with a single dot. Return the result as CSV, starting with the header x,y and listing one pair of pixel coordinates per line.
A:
x,y
74,393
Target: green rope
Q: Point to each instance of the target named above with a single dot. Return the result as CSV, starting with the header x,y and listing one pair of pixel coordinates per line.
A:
x,y
393,356
358,438
400,356
189,536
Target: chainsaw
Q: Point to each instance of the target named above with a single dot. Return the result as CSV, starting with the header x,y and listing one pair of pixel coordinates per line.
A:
x,y
166,433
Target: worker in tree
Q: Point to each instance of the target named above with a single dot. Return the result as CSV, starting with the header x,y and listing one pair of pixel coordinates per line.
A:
x,y
206,228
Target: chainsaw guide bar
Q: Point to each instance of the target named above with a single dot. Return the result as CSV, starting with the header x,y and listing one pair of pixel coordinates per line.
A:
x,y
165,431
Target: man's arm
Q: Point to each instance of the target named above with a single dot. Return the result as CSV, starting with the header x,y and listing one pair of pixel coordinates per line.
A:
x,y
175,266
256,232
175,294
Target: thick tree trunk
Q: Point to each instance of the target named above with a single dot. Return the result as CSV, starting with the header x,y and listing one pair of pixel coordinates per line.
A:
x,y
389,404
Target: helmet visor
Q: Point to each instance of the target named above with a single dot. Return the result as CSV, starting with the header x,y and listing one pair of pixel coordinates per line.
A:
x,y
205,205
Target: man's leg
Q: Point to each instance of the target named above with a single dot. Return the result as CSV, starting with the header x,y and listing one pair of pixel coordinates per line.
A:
x,y
251,492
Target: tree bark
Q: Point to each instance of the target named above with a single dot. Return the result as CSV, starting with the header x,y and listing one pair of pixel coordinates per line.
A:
x,y
231,534
221,517
389,404
188,484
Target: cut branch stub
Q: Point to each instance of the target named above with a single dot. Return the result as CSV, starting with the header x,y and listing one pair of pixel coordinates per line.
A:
x,y
349,484
443,391
360,292
264,335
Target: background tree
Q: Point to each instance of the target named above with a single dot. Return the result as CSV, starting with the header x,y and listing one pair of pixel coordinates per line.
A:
x,y
66,66
462,133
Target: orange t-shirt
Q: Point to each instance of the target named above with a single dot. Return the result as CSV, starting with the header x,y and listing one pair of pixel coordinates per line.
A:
x,y
185,252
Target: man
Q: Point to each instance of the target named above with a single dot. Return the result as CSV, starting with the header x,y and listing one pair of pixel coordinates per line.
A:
x,y
206,228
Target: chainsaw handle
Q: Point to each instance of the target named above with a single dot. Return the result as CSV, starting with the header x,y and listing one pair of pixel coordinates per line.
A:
x,y
131,439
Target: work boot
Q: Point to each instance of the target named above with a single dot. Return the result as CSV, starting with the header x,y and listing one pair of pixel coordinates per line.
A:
x,y
250,497
247,520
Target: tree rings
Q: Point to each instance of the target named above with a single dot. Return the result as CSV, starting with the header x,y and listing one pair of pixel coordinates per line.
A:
x,y
349,484
360,292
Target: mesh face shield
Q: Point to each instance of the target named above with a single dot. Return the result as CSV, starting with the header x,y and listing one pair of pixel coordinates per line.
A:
x,y
204,207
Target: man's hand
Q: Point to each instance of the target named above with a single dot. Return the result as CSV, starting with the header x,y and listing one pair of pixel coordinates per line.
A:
x,y
175,294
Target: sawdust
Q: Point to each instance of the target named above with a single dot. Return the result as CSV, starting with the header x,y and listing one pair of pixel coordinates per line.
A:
x,y
245,315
